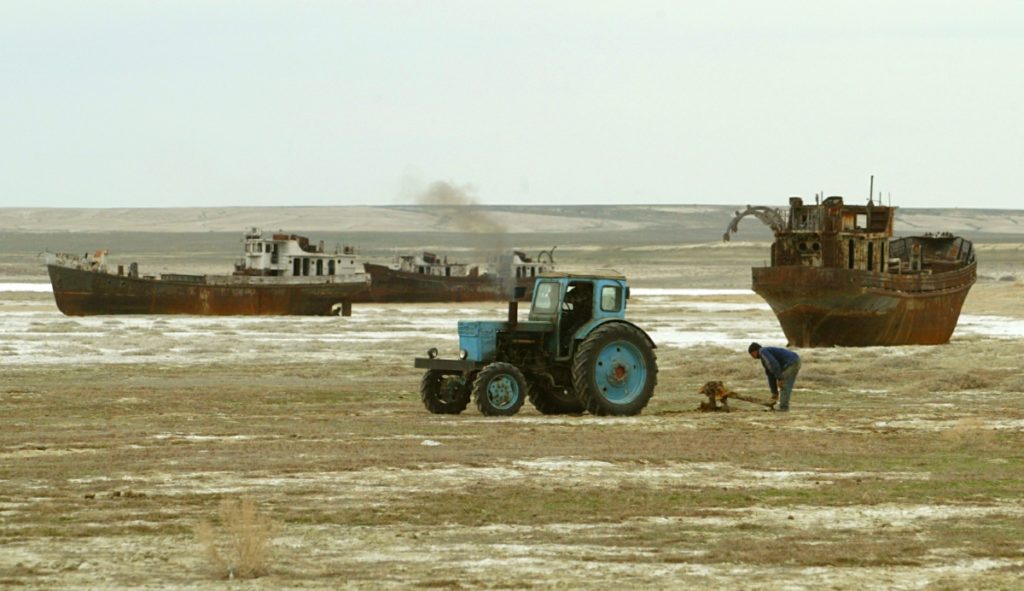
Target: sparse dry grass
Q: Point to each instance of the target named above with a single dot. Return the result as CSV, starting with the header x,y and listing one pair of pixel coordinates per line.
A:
x,y
240,548
971,431
899,467
336,454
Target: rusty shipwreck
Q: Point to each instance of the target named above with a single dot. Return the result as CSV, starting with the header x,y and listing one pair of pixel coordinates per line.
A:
x,y
838,277
279,274
285,274
428,277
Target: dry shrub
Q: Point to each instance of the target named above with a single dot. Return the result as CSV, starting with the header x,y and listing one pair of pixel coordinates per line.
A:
x,y
1013,384
960,382
968,431
241,548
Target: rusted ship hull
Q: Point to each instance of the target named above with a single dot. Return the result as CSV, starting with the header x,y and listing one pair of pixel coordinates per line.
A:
x,y
80,292
395,286
822,307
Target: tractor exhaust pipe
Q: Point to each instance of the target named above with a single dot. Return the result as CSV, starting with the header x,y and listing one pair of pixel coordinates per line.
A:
x,y
513,312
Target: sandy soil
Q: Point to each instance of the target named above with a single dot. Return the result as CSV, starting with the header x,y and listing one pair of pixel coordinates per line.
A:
x,y
899,468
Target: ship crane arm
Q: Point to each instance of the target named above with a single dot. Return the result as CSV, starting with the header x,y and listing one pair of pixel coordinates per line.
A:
x,y
769,216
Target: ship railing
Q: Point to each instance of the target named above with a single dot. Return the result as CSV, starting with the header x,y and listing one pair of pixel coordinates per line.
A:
x,y
924,280
183,278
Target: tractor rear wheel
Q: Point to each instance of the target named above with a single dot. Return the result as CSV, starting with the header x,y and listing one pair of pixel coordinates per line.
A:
x,y
499,390
550,399
615,370
444,393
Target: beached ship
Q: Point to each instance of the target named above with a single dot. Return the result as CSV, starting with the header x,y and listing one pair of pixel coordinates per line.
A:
x,y
838,277
284,274
428,277
279,274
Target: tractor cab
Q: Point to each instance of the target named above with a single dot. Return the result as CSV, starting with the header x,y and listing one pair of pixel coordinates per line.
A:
x,y
573,304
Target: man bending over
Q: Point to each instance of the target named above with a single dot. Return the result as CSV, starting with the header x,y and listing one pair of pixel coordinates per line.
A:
x,y
781,366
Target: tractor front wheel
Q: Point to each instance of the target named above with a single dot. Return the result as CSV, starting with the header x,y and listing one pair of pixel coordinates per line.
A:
x,y
444,393
499,390
614,371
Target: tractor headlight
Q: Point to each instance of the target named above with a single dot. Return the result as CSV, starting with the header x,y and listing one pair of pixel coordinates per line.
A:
x,y
463,353
432,352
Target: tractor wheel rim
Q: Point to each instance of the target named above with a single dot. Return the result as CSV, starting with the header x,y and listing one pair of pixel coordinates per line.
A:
x,y
502,392
620,372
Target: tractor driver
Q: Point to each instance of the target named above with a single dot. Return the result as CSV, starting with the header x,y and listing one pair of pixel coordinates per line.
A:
x,y
575,310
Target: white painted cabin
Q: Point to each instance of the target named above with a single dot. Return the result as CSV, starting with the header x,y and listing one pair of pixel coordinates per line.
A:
x,y
290,255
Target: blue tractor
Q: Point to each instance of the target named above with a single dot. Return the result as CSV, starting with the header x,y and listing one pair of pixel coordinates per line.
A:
x,y
575,353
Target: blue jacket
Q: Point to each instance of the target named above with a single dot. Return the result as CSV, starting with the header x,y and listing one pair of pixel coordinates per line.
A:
x,y
775,360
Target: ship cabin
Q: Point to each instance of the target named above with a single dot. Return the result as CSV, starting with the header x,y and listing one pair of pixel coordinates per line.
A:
x,y
429,263
519,266
516,265
833,234
291,255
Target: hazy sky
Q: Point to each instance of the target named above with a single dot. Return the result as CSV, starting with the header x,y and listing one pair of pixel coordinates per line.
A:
x,y
111,104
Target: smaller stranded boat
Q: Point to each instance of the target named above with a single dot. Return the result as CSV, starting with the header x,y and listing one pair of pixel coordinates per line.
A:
x,y
279,274
428,277
839,278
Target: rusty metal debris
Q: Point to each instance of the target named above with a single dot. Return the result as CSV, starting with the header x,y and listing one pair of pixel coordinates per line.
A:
x,y
718,398
838,277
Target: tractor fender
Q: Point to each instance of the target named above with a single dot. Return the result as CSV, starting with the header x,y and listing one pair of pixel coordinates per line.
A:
x,y
589,327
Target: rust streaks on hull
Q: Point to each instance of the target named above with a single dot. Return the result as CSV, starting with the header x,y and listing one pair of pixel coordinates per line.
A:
x,y
820,307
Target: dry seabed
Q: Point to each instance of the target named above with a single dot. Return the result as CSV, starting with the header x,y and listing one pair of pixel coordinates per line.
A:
x,y
899,468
